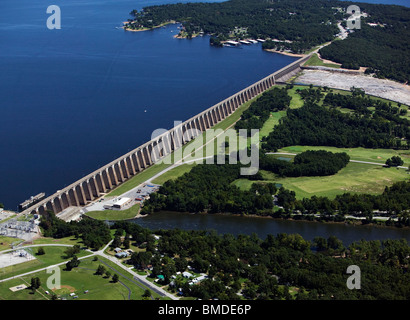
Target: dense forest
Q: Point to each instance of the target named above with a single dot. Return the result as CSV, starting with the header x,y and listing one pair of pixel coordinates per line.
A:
x,y
297,26
384,49
209,188
305,23
308,163
315,125
93,233
325,125
282,266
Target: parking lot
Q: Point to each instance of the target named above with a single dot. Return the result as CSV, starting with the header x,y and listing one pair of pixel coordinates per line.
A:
x,y
136,195
15,257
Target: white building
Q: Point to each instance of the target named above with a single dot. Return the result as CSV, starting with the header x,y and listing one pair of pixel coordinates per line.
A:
x,y
121,202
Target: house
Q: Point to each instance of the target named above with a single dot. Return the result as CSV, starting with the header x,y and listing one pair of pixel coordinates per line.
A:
x,y
117,250
186,274
121,203
200,278
122,254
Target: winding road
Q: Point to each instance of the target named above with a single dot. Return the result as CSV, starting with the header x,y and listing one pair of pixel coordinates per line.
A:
x,y
142,281
356,161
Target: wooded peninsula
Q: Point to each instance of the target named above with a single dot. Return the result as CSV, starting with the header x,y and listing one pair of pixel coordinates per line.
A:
x,y
381,44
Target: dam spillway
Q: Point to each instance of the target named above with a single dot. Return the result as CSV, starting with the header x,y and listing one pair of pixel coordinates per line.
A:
x,y
110,176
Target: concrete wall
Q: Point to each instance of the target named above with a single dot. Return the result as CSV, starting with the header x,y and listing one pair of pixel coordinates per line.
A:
x,y
120,170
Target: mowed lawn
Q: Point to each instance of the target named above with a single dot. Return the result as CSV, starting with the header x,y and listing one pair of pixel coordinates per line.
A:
x,y
53,255
354,178
115,214
361,154
173,173
314,60
77,281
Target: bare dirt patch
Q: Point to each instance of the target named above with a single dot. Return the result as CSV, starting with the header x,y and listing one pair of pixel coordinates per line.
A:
x,y
382,88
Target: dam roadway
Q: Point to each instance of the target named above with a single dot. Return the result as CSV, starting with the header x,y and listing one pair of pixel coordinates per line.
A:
x,y
110,176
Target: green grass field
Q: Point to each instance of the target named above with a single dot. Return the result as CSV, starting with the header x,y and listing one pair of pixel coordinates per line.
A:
x,y
315,61
354,178
361,154
66,240
5,242
270,123
53,255
77,281
115,214
173,173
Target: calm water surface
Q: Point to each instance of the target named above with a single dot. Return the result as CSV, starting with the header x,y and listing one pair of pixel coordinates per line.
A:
x,y
264,226
74,99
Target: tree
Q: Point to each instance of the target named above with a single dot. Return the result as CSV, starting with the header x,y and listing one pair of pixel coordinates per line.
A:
x,y
147,293
181,264
394,161
100,270
40,251
141,259
115,278
70,252
35,284
320,243
116,242
126,242
73,263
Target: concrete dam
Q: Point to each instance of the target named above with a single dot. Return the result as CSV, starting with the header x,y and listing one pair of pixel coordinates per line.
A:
x,y
110,176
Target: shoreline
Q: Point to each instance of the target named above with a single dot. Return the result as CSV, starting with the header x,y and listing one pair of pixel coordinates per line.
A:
x,y
125,23
348,222
296,55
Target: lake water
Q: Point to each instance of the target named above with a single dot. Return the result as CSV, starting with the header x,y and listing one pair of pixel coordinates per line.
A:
x,y
74,99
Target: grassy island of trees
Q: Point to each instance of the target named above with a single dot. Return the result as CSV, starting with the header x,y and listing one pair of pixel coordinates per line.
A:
x,y
308,163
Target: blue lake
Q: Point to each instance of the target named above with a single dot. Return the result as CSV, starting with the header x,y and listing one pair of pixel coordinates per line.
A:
x,y
74,99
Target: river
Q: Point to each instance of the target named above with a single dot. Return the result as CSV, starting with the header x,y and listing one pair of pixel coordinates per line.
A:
x,y
264,226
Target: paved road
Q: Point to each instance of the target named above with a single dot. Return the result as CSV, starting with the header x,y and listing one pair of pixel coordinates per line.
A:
x,y
101,253
99,206
136,276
